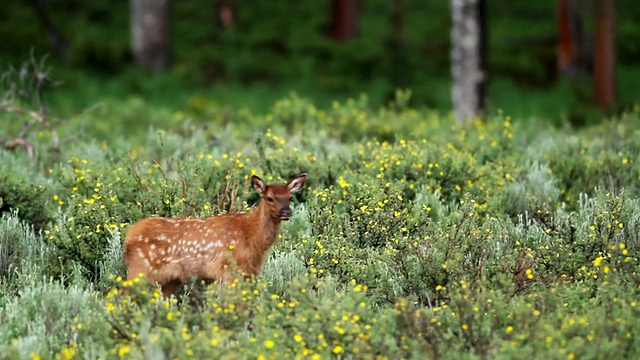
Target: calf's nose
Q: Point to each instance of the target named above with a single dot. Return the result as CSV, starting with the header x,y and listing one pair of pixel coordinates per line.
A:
x,y
285,213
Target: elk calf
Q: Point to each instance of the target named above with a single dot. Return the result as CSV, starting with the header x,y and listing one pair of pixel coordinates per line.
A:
x,y
170,250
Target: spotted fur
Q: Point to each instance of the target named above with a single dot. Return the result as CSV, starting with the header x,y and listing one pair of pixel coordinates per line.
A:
x,y
171,250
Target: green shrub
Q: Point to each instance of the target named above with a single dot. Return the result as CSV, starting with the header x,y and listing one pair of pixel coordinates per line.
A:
x,y
43,317
240,318
24,256
495,239
29,199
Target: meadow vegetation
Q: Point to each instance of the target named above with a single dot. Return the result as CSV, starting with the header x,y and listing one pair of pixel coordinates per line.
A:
x,y
413,236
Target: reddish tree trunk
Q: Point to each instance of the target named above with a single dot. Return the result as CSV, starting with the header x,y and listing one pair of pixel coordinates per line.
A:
x,y
604,57
344,19
566,50
226,13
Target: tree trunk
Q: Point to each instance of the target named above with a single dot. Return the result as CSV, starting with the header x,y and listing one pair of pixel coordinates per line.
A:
x,y
566,50
226,11
468,68
344,19
150,33
574,40
604,62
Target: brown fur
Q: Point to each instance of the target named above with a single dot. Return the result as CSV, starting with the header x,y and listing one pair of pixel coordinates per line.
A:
x,y
170,250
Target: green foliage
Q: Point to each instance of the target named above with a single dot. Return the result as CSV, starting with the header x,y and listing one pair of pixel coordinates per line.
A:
x,y
604,161
21,252
28,199
243,319
494,239
41,320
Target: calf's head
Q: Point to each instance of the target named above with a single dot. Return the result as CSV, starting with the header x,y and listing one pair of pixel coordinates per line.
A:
x,y
278,197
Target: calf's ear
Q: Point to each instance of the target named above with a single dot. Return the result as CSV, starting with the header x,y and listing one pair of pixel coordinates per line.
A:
x,y
296,184
258,184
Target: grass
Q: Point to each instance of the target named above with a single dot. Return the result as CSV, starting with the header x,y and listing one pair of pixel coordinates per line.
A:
x,y
413,235
162,101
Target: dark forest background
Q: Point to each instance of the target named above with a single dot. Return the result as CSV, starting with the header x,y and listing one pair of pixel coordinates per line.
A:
x,y
275,47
